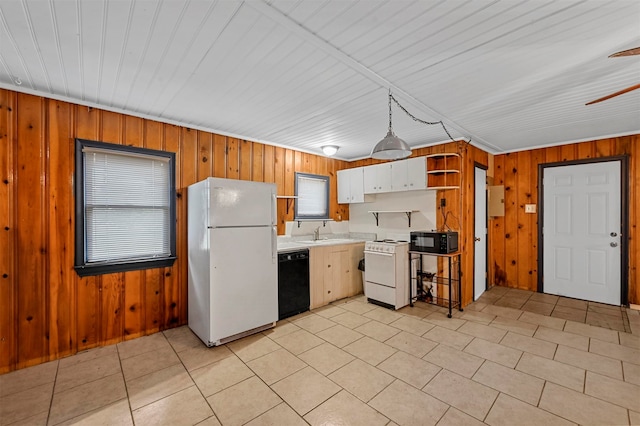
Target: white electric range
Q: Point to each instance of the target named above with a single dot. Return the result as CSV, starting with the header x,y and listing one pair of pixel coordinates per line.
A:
x,y
386,273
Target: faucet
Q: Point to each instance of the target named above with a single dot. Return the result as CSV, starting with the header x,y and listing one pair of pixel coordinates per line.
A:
x,y
316,234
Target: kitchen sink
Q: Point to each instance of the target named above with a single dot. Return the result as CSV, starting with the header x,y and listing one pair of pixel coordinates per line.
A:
x,y
327,241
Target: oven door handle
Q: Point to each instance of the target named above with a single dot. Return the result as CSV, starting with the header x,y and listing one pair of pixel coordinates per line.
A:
x,y
379,254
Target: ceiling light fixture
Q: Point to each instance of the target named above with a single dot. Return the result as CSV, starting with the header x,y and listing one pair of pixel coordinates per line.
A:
x,y
329,150
391,147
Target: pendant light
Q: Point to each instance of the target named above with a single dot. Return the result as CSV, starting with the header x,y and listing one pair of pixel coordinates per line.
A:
x,y
391,147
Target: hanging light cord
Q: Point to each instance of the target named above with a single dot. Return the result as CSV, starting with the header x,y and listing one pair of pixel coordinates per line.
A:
x,y
429,123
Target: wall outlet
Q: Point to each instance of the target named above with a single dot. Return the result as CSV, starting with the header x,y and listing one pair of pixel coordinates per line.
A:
x,y
529,208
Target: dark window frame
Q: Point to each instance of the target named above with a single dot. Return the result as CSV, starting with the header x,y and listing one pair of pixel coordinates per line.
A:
x,y
88,269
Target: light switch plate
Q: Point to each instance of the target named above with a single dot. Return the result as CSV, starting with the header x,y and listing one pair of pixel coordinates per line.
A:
x,y
529,208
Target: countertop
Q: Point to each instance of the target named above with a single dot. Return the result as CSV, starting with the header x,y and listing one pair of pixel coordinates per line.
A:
x,y
284,246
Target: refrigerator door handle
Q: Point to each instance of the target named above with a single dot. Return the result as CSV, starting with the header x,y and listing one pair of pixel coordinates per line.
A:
x,y
273,208
274,244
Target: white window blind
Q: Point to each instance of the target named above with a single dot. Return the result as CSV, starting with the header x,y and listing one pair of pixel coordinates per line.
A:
x,y
312,196
126,206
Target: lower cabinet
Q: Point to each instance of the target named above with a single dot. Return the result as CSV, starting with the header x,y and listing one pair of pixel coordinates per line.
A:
x,y
333,272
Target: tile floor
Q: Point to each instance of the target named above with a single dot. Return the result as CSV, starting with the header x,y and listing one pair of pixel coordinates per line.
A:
x,y
506,360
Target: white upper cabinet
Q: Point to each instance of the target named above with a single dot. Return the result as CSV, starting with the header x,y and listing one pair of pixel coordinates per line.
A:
x,y
409,175
351,186
377,178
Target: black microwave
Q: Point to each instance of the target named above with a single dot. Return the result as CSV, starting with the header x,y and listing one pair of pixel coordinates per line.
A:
x,y
434,242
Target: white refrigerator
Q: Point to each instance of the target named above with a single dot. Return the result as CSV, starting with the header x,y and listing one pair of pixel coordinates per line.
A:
x,y
233,259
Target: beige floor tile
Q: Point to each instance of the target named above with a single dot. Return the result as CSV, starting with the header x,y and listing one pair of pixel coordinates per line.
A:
x,y
570,314
370,350
589,361
442,321
88,371
210,421
88,355
634,418
553,371
454,360
455,417
377,330
339,335
350,319
359,308
412,325
448,337
415,311
148,362
415,371
383,315
281,329
361,379
476,306
141,345
529,344
628,340
562,338
590,331
501,311
182,338
345,409
508,411
185,407
117,413
87,397
549,322
617,392
489,297
581,408
194,358
573,303
243,402
466,395
482,331
21,380
252,347
411,344
314,323
24,404
538,307
407,405
605,309
305,390
220,375
329,311
612,350
495,352
39,419
631,373
298,342
480,317
157,385
605,321
544,298
276,366
512,382
520,327
280,415
510,302
326,358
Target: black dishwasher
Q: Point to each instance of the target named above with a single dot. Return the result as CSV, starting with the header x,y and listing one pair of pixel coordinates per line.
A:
x,y
293,283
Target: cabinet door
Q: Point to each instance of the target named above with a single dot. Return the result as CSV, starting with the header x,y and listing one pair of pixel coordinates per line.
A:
x,y
370,178
317,271
384,177
377,178
344,186
356,182
399,172
337,274
356,253
416,173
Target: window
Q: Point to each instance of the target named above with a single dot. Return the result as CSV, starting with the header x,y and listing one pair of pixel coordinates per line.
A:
x,y
313,196
125,208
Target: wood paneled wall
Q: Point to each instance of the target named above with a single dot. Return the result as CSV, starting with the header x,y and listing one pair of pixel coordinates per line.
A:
x,y
513,239
459,208
46,310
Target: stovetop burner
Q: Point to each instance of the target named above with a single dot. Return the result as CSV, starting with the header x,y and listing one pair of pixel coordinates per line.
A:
x,y
390,241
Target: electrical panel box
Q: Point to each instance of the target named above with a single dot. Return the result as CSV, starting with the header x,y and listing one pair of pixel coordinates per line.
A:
x,y
496,200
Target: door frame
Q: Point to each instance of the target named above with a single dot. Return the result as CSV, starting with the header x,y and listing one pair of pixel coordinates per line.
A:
x,y
477,165
624,218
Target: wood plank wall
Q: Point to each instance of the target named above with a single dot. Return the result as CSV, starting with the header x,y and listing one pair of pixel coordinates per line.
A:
x,y
513,238
459,208
46,310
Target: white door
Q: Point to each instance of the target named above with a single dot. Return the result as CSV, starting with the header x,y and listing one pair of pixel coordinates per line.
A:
x,y
581,231
480,234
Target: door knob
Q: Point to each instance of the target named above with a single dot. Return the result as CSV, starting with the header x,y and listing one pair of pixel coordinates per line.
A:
x,y
614,244
476,239
613,234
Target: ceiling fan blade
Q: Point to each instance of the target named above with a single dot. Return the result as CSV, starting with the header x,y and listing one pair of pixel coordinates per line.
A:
x,y
613,95
628,52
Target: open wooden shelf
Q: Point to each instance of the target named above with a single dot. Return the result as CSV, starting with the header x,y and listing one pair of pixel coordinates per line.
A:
x,y
443,171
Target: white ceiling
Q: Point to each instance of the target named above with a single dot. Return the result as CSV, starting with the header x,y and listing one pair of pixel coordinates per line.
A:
x,y
510,75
